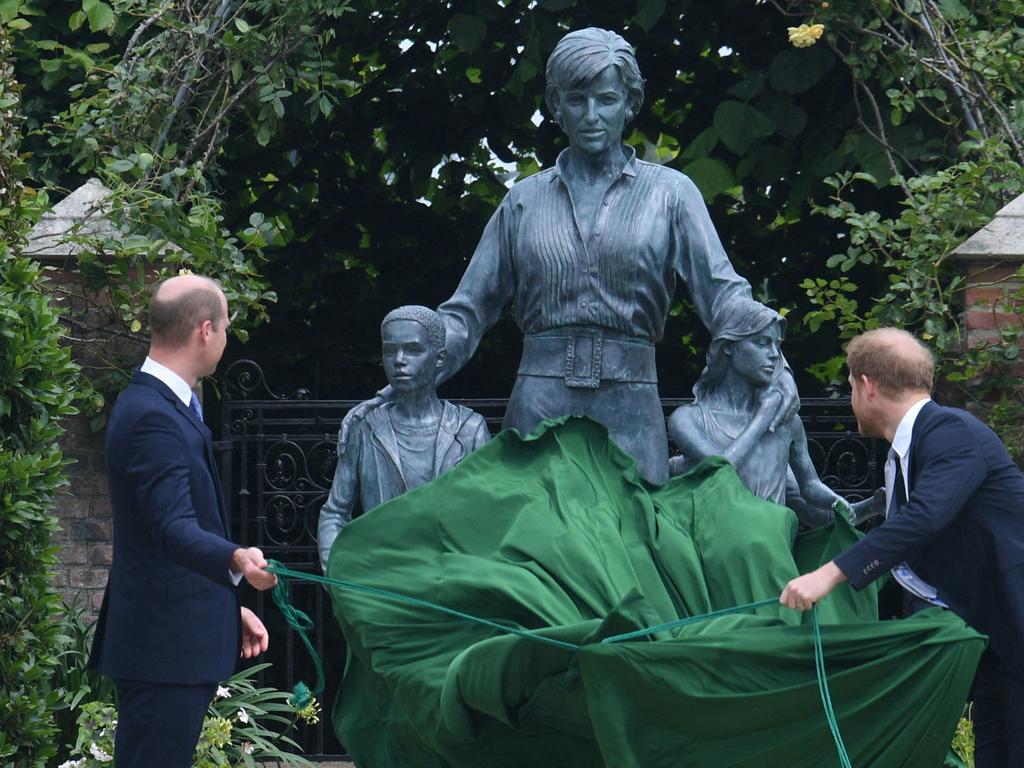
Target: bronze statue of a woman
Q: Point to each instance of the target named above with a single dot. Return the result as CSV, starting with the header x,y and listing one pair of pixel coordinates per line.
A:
x,y
590,252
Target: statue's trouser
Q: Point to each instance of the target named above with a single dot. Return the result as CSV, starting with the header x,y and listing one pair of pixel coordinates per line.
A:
x,y
596,373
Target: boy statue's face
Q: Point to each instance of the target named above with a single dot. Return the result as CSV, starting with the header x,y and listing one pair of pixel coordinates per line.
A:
x,y
410,362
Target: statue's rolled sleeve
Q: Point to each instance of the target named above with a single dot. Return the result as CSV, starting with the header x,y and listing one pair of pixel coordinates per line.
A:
x,y
336,512
701,260
485,290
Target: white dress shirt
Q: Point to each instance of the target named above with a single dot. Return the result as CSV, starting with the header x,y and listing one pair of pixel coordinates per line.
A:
x,y
903,574
175,383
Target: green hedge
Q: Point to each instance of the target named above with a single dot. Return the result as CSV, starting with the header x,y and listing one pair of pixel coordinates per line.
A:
x,y
37,379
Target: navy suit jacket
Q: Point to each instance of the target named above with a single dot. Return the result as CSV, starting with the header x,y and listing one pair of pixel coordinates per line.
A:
x,y
170,613
961,529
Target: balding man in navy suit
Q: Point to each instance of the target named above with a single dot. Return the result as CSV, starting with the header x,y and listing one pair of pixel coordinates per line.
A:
x,y
171,626
954,533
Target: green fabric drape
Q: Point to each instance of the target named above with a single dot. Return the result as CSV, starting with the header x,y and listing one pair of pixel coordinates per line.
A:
x,y
557,533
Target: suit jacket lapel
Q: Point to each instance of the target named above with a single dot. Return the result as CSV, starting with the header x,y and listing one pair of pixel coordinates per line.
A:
x,y
923,417
200,427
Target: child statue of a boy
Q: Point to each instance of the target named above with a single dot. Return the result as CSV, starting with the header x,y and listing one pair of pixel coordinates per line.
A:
x,y
412,438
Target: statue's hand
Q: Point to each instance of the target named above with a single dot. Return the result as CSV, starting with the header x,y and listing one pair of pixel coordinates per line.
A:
x,y
841,508
786,386
873,506
358,414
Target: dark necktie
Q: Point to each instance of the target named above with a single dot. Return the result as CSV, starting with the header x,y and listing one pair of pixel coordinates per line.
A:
x,y
899,489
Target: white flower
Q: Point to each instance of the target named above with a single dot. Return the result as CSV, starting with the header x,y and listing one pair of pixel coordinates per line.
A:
x,y
243,716
248,747
72,763
222,692
97,751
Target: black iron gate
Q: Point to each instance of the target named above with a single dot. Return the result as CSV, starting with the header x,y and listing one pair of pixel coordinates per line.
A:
x,y
277,455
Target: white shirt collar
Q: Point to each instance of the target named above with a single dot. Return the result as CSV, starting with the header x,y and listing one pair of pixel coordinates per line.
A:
x,y
177,385
905,430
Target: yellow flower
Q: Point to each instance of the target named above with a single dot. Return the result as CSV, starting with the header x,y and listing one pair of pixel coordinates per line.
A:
x,y
310,713
184,271
805,35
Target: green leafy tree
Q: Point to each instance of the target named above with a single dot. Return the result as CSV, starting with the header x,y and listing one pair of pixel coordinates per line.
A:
x,y
36,384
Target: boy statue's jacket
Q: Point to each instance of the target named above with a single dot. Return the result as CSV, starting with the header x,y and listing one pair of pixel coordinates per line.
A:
x,y
370,468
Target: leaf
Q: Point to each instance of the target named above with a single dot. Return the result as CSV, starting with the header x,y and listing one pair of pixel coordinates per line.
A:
x,y
798,70
242,25
75,20
953,9
101,16
711,176
790,118
19,24
466,31
648,12
749,87
702,145
739,125
8,10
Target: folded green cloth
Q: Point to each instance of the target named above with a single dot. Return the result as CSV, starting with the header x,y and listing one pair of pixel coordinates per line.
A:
x,y
558,534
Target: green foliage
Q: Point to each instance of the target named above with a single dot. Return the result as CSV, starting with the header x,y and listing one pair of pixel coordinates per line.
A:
x,y
924,286
36,380
76,684
243,724
963,740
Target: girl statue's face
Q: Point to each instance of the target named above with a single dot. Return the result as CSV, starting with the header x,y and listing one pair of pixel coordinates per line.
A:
x,y
757,357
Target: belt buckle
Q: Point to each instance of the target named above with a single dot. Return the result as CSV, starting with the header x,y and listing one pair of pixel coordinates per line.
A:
x,y
583,360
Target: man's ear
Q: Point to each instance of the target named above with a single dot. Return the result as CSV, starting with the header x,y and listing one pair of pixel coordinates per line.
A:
x,y
868,386
205,330
442,356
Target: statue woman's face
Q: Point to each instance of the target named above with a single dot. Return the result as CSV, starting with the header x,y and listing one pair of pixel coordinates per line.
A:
x,y
756,357
594,115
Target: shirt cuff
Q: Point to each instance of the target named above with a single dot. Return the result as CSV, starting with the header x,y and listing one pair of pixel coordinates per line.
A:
x,y
235,576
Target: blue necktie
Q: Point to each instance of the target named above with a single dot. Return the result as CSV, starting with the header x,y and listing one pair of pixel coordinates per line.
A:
x,y
197,409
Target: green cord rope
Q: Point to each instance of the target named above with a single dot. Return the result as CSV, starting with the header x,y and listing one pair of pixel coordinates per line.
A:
x,y
689,620
302,624
826,698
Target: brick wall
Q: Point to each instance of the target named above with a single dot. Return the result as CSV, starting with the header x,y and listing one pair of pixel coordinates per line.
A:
x,y
83,511
988,307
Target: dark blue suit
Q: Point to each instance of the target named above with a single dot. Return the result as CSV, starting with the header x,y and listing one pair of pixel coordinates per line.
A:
x,y
962,530
170,616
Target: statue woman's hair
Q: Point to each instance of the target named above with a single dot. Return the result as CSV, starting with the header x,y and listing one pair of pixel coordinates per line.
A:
x,y
737,321
582,55
426,317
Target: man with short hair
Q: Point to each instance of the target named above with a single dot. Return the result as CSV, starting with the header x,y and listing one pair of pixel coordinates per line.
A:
x,y
954,533
171,626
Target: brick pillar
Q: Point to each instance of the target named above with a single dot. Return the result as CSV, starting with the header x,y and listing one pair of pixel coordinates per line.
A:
x,y
83,509
993,260
990,305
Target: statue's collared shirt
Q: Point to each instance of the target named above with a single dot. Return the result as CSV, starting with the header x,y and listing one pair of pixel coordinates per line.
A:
x,y
651,228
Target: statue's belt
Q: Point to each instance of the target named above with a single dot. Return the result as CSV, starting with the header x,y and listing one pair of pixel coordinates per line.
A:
x,y
585,358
